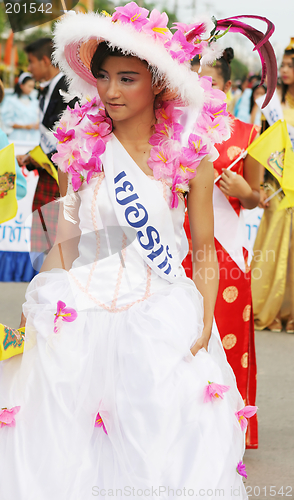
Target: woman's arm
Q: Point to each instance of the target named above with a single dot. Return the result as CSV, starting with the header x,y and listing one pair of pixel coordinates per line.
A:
x,y
245,188
205,265
65,249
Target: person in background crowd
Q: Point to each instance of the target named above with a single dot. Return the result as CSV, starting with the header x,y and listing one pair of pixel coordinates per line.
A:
x,y
13,265
242,108
20,112
21,183
273,276
233,309
255,113
51,107
236,93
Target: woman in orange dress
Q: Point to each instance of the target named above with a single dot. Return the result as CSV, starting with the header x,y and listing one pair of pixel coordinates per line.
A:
x,y
233,310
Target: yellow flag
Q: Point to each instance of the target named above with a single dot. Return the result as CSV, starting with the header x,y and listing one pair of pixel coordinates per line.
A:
x,y
39,156
269,149
8,201
273,149
11,341
288,176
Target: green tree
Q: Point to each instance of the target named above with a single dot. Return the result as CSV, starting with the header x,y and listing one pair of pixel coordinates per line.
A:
x,y
239,70
106,5
3,18
36,34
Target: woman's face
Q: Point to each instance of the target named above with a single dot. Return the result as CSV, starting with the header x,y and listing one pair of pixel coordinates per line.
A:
x,y
259,91
217,80
287,70
27,87
125,87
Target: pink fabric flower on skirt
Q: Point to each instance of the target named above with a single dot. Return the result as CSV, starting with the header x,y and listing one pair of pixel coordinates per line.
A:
x,y
99,422
131,13
63,314
7,416
241,469
242,415
214,391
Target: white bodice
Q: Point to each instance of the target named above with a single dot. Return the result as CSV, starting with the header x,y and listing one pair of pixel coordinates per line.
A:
x,y
109,271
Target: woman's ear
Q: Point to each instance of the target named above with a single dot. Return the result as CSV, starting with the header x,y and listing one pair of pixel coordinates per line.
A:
x,y
157,88
227,86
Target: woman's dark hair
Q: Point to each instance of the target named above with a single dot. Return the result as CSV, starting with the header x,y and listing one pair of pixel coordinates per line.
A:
x,y
17,89
284,87
255,86
102,52
196,61
223,64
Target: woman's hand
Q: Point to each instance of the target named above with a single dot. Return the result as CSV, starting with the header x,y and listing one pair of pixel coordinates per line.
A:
x,y
233,184
263,197
201,342
23,321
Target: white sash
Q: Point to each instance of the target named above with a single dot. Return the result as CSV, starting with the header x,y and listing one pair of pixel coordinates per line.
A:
x,y
138,204
274,112
229,229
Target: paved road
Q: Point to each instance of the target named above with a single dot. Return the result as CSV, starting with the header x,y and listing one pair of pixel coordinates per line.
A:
x,y
270,468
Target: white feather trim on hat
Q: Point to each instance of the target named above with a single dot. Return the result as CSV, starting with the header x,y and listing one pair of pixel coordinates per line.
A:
x,y
83,27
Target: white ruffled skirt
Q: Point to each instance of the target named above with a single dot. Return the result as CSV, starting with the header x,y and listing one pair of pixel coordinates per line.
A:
x,y
157,437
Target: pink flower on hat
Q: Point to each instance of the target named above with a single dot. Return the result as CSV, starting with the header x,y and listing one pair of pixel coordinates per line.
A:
x,y
63,314
214,391
157,26
131,13
242,415
7,416
197,28
241,469
179,48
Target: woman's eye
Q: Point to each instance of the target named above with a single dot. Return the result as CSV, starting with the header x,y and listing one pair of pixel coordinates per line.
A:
x,y
126,80
101,76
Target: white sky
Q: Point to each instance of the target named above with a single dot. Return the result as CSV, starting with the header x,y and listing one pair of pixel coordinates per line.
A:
x,y
280,12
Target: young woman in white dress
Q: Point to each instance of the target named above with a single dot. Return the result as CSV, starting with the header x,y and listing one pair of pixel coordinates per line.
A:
x,y
124,389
